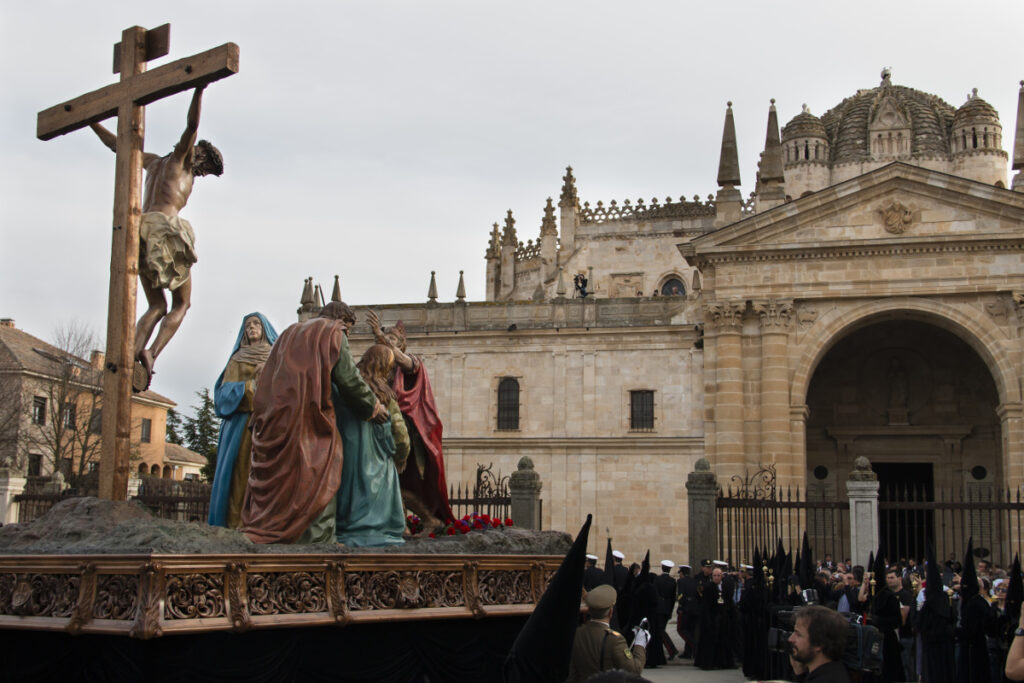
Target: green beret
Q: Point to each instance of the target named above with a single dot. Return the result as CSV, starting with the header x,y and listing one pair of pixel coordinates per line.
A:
x,y
601,597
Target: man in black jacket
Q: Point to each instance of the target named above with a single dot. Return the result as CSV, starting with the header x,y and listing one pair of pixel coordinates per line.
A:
x,y
665,586
688,612
818,642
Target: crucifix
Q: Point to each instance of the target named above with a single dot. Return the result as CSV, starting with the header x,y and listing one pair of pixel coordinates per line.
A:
x,y
126,99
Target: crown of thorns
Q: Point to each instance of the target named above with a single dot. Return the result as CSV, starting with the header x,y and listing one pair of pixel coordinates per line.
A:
x,y
214,160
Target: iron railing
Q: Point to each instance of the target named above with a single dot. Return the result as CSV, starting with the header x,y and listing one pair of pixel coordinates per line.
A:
x,y
489,495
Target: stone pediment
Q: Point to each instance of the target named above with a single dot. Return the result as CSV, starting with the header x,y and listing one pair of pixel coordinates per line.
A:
x,y
894,209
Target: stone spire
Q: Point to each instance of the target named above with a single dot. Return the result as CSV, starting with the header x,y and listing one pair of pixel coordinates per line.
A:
x,y
460,292
432,290
508,235
307,292
336,292
494,246
771,160
728,201
568,198
1018,142
729,162
547,224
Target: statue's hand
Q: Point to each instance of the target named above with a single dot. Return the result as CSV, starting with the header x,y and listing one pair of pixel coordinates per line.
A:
x,y
374,322
380,413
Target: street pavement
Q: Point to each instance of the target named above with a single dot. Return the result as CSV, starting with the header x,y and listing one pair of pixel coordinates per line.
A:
x,y
683,669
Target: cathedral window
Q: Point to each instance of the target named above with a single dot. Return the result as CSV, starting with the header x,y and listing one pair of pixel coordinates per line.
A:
x,y
974,138
641,410
673,287
508,404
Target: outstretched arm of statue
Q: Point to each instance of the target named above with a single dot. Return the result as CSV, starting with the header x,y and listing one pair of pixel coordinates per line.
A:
x,y
110,140
188,139
374,322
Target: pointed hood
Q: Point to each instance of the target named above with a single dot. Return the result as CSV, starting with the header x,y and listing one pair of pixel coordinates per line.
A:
x,y
645,568
969,579
932,576
542,649
609,565
1015,592
771,159
879,569
1018,138
806,564
729,161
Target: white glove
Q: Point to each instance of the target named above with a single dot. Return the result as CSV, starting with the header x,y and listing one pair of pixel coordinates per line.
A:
x,y
642,637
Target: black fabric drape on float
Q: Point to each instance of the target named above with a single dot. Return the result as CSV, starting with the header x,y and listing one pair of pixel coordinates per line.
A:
x,y
399,652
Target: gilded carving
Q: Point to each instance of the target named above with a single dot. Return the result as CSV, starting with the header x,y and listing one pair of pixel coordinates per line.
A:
x,y
82,612
336,592
725,315
237,602
471,588
117,597
147,619
897,218
194,596
774,313
287,593
500,587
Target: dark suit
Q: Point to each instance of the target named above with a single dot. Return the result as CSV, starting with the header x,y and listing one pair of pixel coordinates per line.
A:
x,y
592,578
714,649
688,613
665,586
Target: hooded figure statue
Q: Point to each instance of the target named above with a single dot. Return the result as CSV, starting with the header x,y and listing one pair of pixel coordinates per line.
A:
x,y
972,664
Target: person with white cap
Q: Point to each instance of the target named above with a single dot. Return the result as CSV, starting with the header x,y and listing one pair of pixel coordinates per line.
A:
x,y
597,647
665,587
688,611
619,570
592,576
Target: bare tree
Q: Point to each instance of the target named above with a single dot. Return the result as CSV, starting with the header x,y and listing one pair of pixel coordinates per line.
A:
x,y
65,405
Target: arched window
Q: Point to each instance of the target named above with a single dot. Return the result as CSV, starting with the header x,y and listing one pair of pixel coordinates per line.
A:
x,y
142,468
508,403
155,470
167,472
673,287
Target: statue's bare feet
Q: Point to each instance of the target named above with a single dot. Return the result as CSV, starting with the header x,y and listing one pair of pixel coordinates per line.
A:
x,y
142,376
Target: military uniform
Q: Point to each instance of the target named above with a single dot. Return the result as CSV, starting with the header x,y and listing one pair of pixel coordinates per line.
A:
x,y
598,648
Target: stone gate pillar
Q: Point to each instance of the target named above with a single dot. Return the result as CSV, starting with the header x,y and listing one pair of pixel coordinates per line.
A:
x,y
11,484
725,319
525,485
776,318
701,491
862,488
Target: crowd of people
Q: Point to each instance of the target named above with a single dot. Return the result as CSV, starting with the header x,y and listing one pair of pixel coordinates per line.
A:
x,y
951,622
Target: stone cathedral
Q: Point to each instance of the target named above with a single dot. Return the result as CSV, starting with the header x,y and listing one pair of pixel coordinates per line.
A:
x,y
867,298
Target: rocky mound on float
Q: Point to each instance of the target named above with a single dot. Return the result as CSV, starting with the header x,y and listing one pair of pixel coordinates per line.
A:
x,y
88,526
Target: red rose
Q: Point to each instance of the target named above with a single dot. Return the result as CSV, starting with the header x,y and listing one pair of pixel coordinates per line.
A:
x,y
451,531
508,521
495,523
431,534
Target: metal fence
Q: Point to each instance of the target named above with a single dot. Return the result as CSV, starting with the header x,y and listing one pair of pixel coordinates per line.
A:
x,y
185,501
910,517
489,495
753,513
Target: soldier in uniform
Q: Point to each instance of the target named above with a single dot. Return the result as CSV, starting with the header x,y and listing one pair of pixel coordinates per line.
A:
x,y
592,576
598,648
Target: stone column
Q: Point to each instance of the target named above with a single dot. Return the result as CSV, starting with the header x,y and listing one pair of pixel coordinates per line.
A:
x,y
701,491
725,319
776,319
862,488
11,484
525,486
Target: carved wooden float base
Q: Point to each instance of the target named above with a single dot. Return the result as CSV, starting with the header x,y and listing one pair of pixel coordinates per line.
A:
x,y
144,596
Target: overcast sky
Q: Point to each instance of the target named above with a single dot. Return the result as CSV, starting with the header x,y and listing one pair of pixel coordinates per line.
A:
x,y
380,140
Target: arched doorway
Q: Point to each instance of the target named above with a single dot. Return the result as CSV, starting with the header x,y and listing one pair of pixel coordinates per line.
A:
x,y
917,401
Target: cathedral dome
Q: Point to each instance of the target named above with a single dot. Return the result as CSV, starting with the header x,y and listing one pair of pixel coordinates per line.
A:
x,y
926,118
975,110
803,125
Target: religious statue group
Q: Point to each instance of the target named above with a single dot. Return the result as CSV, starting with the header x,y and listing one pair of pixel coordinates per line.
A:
x,y
316,447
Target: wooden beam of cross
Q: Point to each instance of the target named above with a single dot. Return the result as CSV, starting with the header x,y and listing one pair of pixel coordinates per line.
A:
x,y
126,99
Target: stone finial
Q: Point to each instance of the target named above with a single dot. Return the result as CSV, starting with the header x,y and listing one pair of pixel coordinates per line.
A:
x,y
1018,138
508,235
547,224
318,296
432,290
336,292
702,465
771,160
307,292
460,291
560,289
729,161
525,463
494,245
805,109
568,198
862,470
886,76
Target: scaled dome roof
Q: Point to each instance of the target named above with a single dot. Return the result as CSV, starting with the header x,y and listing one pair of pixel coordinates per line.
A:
x,y
975,110
803,125
930,118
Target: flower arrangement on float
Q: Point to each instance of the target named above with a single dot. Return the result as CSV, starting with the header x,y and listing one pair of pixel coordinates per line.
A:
x,y
471,522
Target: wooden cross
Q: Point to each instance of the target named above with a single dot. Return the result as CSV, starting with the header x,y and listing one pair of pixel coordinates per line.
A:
x,y
126,99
